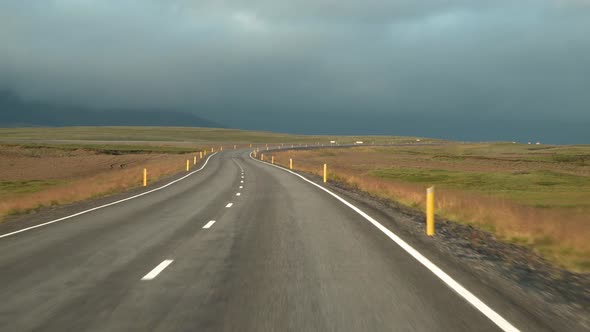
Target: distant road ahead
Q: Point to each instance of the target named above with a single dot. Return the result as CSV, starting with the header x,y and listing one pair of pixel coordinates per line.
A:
x,y
238,246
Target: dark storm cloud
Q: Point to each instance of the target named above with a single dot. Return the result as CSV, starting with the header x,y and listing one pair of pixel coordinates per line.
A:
x,y
233,60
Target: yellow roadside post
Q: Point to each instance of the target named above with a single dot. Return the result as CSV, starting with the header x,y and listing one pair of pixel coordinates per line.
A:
x,y
195,160
325,173
234,146
188,165
430,211
290,163
272,160
221,148
201,155
254,152
262,156
250,144
145,177
211,149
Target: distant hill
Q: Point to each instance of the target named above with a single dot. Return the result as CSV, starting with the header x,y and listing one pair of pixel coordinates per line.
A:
x,y
14,112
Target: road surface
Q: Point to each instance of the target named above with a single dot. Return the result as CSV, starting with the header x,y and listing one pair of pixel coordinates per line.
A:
x,y
237,246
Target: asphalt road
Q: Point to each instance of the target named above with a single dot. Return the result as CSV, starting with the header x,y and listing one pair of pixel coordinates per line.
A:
x,y
282,256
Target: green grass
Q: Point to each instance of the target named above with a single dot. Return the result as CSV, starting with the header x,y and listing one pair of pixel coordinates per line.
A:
x,y
502,151
26,186
538,188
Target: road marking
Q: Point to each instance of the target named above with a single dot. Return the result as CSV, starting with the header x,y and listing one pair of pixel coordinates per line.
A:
x,y
241,187
242,176
238,194
448,280
109,204
240,166
209,224
242,181
157,270
229,205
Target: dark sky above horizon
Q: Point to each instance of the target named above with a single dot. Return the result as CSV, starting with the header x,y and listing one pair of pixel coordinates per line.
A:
x,y
461,69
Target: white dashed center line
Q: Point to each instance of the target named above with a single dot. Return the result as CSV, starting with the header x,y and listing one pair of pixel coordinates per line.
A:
x,y
229,205
209,224
241,187
154,273
238,194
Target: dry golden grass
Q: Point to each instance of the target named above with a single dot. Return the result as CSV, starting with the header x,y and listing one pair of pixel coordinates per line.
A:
x,y
95,179
560,234
19,163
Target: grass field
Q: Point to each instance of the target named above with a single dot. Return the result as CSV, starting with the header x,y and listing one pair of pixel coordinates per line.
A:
x,y
174,135
536,195
546,189
113,148
33,176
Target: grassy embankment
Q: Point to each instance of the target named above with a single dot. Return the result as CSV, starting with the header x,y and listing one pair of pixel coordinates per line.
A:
x,y
531,195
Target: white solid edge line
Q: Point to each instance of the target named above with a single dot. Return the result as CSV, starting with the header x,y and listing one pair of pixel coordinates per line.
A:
x,y
157,270
109,204
229,205
467,295
209,224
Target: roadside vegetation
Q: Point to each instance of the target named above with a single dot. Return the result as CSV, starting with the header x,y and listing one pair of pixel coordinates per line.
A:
x,y
113,149
533,195
34,176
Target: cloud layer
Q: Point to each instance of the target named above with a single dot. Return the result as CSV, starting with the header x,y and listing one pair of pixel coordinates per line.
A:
x,y
236,60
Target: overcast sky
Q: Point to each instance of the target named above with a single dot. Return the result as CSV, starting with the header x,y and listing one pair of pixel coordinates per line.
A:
x,y
498,69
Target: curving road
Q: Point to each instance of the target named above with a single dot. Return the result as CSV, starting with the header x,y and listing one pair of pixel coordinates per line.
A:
x,y
283,255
